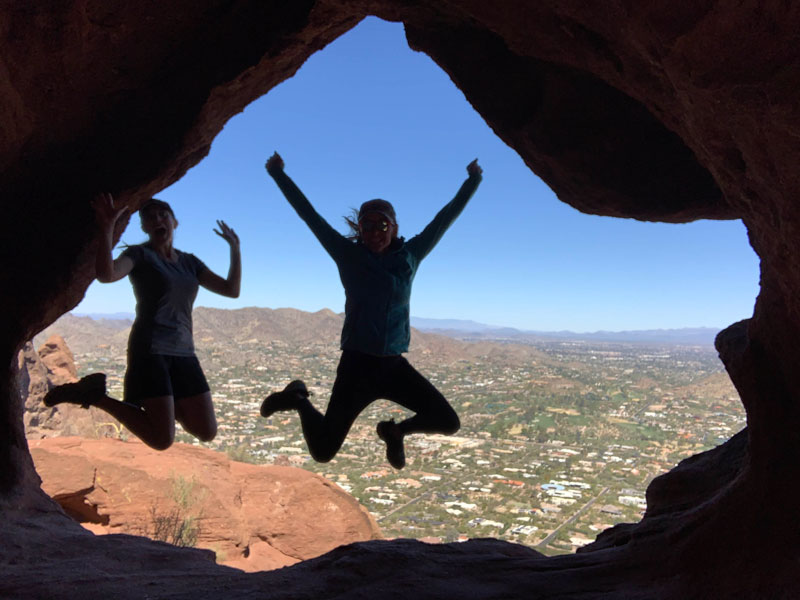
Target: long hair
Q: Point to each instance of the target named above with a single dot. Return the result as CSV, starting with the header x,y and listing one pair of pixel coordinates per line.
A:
x,y
352,223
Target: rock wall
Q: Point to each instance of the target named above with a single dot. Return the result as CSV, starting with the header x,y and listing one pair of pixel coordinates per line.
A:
x,y
652,110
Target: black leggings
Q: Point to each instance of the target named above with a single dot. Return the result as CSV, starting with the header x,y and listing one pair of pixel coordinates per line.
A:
x,y
360,380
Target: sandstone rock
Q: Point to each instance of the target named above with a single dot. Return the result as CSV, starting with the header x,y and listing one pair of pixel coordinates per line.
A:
x,y
39,372
58,360
33,385
46,558
651,110
253,517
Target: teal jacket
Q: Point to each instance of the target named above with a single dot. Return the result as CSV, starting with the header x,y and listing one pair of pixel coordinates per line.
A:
x,y
377,286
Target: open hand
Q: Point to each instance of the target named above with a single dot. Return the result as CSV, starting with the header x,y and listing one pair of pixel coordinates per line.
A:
x,y
474,168
274,163
106,213
227,234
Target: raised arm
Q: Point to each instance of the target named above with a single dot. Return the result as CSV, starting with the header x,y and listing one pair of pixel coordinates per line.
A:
x,y
107,216
331,240
424,242
230,286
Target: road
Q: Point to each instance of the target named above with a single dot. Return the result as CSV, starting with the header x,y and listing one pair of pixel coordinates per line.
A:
x,y
572,519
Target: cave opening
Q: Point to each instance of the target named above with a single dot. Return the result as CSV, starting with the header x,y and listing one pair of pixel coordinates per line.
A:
x,y
132,96
372,125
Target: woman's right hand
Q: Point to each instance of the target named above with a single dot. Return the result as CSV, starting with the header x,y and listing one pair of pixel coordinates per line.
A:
x,y
109,217
274,164
106,213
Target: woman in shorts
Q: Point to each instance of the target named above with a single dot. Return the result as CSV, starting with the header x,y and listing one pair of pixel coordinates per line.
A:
x,y
164,381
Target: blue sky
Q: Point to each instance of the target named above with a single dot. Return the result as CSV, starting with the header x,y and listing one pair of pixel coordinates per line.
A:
x,y
367,117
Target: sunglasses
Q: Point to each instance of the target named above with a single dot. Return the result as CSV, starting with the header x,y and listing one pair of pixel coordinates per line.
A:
x,y
367,226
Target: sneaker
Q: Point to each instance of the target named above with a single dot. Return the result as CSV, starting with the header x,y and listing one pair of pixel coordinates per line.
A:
x,y
83,392
287,399
390,433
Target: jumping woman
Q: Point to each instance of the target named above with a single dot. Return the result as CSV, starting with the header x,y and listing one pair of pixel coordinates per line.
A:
x,y
377,269
164,381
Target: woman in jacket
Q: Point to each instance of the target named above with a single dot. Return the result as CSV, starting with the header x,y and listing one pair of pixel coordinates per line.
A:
x,y
377,269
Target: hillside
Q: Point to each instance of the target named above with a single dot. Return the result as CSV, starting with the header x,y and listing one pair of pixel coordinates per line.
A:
x,y
240,334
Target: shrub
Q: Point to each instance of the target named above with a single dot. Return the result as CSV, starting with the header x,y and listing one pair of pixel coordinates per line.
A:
x,y
176,525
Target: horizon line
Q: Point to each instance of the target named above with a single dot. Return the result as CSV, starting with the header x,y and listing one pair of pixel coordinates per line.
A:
x,y
121,315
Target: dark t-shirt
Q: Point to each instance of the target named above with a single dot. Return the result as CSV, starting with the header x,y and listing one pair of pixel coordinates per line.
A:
x,y
165,292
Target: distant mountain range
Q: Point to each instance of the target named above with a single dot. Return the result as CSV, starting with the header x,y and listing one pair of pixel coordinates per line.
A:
x,y
117,316
472,330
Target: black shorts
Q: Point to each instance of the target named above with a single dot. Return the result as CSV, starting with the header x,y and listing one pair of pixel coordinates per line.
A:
x,y
154,375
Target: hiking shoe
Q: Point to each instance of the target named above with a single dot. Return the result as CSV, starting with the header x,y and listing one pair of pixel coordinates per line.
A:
x,y
390,433
288,398
83,392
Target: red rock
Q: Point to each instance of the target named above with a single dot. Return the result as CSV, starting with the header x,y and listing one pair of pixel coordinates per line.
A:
x,y
39,372
254,517
33,385
58,360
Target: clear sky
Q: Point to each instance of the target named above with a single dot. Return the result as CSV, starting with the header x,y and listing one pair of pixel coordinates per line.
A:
x,y
367,117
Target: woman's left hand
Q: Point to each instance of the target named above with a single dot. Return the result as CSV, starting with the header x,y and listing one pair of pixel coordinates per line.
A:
x,y
227,234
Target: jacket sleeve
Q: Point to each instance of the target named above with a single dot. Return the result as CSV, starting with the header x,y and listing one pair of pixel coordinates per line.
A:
x,y
331,240
421,244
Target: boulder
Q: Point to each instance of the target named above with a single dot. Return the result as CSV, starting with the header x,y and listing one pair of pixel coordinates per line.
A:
x,y
253,517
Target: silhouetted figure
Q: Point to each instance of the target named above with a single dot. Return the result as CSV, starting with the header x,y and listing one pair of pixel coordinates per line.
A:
x,y
377,269
164,380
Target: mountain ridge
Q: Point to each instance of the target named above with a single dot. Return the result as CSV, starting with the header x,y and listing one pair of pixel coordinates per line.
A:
x,y
462,329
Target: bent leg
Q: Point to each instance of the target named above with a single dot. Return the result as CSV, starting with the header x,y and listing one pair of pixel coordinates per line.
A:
x,y
408,388
149,407
196,415
193,406
326,433
153,422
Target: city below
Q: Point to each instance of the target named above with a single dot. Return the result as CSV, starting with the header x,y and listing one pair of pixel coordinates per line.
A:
x,y
559,438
